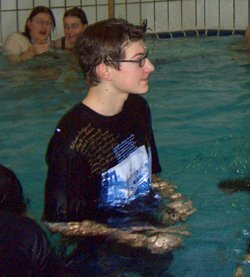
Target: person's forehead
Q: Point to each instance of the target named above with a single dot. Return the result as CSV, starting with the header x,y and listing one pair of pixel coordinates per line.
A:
x,y
134,48
71,19
42,16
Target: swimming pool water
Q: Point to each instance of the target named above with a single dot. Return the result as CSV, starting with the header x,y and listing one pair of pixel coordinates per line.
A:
x,y
200,102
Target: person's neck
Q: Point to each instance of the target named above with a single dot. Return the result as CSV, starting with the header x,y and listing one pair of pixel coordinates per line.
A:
x,y
38,41
105,101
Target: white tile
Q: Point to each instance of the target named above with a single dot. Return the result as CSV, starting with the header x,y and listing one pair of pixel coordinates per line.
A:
x,y
161,14
8,5
200,14
134,13
91,14
58,14
74,2
175,16
102,12
241,14
212,14
10,23
189,15
22,17
103,2
226,14
55,3
25,4
89,2
120,11
148,12
119,2
42,3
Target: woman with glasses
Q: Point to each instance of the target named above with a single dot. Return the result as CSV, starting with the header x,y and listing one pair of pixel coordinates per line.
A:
x,y
35,40
74,22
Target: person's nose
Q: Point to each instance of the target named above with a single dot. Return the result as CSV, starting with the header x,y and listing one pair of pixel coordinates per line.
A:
x,y
149,66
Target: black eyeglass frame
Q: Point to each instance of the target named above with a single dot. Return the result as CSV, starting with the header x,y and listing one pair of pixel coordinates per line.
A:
x,y
140,61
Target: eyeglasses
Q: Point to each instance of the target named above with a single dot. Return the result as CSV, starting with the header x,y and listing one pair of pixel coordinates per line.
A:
x,y
141,61
42,22
73,26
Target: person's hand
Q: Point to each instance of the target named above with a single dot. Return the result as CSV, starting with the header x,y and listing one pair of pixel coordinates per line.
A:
x,y
178,211
38,49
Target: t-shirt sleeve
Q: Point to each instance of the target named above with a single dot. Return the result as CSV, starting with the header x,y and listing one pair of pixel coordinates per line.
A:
x,y
65,190
15,44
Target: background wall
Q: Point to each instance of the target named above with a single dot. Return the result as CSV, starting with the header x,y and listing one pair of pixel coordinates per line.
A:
x,y
162,16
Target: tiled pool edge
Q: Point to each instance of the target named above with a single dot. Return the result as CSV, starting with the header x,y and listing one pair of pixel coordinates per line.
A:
x,y
194,33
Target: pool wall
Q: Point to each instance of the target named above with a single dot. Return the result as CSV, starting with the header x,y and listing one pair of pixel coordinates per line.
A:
x,y
163,15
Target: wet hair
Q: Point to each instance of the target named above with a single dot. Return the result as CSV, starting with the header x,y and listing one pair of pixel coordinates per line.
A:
x,y
77,12
105,42
34,12
11,192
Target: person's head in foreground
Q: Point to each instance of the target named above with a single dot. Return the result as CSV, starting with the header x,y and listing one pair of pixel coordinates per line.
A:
x,y
113,52
11,192
74,22
39,25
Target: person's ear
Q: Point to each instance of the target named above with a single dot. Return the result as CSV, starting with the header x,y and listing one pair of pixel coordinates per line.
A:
x,y
103,72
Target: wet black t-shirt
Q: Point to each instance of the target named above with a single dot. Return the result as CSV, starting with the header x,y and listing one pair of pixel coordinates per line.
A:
x,y
97,163
25,249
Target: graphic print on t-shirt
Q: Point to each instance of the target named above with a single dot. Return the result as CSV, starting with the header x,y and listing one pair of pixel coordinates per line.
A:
x,y
128,180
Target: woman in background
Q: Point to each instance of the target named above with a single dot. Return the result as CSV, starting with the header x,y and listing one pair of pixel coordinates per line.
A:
x,y
35,40
74,22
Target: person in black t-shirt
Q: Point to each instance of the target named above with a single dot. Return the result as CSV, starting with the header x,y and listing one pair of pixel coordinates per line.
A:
x,y
24,247
103,153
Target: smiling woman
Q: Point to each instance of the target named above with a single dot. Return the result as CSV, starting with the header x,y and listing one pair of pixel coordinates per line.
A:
x,y
35,38
74,22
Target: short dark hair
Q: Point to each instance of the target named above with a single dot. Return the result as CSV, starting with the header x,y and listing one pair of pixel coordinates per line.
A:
x,y
11,192
104,42
77,12
34,12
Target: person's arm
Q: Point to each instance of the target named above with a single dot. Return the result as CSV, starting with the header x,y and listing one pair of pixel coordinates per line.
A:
x,y
156,239
177,210
33,50
18,48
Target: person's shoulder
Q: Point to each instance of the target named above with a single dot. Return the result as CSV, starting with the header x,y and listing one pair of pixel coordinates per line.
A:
x,y
15,44
72,116
16,36
70,123
13,222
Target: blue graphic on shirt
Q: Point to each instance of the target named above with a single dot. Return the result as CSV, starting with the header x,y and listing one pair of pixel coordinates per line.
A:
x,y
128,180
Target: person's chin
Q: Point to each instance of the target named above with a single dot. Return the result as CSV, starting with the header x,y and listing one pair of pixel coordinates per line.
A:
x,y
143,91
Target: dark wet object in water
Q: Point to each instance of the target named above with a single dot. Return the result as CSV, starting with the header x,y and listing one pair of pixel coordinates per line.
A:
x,y
231,186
